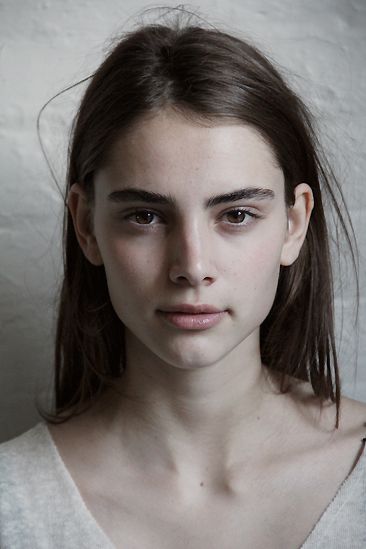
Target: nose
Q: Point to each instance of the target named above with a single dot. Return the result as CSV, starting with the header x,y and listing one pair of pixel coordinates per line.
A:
x,y
191,258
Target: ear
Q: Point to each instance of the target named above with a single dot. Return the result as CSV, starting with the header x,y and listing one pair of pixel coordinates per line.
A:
x,y
81,213
298,220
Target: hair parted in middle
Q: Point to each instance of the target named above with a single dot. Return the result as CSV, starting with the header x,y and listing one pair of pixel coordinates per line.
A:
x,y
208,76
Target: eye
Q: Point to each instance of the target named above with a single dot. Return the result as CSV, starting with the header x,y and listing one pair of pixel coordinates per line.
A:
x,y
240,216
142,217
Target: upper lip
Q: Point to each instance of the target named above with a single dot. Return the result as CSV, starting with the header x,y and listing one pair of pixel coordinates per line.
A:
x,y
193,309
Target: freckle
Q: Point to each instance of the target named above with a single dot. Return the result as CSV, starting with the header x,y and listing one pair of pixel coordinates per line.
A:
x,y
201,484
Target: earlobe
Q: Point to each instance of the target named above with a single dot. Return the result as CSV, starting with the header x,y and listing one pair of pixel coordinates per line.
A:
x,y
298,221
80,211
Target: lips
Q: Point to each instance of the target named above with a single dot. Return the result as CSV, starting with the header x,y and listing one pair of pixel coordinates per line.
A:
x,y
192,317
191,309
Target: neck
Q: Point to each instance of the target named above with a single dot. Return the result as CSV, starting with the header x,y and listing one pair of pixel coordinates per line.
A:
x,y
195,423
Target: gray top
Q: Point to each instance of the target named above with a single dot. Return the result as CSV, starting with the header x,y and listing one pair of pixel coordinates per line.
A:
x,y
42,508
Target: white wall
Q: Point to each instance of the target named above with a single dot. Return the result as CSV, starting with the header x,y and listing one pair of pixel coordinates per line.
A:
x,y
46,45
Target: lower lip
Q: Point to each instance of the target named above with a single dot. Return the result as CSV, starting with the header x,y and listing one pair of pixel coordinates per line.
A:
x,y
188,321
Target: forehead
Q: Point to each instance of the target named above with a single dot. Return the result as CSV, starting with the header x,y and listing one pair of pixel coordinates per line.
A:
x,y
171,151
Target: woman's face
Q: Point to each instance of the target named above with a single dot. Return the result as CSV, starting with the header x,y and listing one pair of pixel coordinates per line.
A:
x,y
169,234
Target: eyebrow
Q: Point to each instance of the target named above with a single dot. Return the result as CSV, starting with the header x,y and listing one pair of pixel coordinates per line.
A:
x,y
140,195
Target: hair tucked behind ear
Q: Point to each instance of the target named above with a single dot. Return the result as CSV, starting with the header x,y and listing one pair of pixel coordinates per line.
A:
x,y
208,75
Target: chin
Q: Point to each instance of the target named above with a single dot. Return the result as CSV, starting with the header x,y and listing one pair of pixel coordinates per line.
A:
x,y
194,359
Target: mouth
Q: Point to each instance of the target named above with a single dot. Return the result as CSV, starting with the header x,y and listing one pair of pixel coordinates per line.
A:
x,y
193,317
192,309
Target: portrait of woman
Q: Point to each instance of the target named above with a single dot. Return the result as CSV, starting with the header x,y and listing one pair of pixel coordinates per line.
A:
x,y
197,392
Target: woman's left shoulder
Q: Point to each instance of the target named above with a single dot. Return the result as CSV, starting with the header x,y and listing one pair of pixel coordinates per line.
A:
x,y
319,417
353,414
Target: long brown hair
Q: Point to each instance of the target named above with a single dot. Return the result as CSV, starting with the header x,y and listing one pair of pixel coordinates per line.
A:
x,y
207,74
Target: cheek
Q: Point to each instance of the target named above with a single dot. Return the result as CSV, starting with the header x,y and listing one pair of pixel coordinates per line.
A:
x,y
259,272
125,266
131,271
255,277
259,257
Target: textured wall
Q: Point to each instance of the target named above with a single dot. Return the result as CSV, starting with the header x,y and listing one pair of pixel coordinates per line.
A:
x,y
46,45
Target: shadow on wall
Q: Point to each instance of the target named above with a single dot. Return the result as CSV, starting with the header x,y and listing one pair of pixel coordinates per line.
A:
x,y
25,357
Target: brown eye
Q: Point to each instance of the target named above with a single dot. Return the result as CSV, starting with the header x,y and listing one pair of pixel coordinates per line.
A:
x,y
236,216
144,217
240,217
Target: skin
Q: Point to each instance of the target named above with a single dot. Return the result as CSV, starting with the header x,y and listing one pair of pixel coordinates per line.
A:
x,y
193,403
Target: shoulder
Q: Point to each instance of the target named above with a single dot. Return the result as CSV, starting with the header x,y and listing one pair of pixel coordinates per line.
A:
x,y
23,460
22,471
352,416
24,445
39,505
354,410
311,424
352,413
353,421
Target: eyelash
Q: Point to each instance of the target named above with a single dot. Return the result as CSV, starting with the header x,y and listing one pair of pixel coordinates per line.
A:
x,y
247,213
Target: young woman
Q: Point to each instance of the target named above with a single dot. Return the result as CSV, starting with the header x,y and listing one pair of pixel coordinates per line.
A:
x,y
197,391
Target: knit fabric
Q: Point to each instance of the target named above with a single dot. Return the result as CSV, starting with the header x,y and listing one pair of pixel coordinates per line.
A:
x,y
41,507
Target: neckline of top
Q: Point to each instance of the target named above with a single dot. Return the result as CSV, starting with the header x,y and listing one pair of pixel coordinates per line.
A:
x,y
354,473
